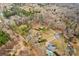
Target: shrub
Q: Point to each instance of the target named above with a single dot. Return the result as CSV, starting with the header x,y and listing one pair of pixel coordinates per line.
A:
x,y
4,37
42,40
23,29
43,29
16,10
8,13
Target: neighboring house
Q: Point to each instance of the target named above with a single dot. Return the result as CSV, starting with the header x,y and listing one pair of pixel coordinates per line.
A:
x,y
50,49
50,53
57,36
